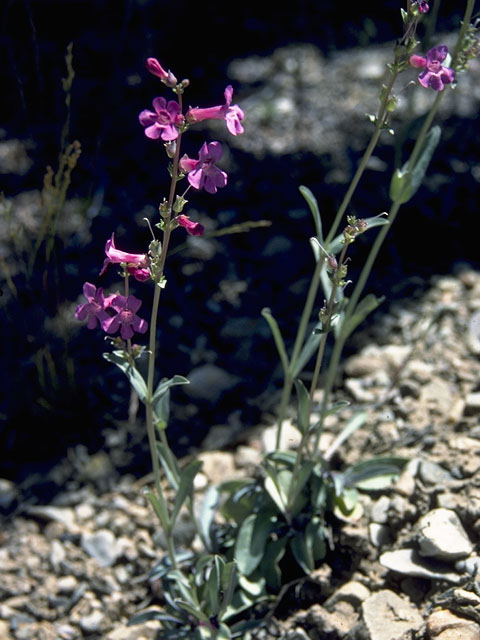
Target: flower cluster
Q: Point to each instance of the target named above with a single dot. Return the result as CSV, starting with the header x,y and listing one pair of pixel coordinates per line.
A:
x,y
435,74
115,312
123,310
167,122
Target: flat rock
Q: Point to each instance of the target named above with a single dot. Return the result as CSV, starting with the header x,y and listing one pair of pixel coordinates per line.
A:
x,y
387,616
441,535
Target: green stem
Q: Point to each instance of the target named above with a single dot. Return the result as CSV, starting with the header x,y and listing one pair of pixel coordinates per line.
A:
x,y
367,268
315,282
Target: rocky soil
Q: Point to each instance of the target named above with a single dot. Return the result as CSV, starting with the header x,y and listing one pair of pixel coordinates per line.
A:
x,y
405,568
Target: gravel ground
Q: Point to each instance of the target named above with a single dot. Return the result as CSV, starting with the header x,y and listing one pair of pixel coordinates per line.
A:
x,y
78,567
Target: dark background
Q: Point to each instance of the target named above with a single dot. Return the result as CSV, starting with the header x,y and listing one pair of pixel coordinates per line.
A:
x,y
125,172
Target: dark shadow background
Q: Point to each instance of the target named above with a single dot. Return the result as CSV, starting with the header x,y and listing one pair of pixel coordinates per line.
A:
x,y
200,322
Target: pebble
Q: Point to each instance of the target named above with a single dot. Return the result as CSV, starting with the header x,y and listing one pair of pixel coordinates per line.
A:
x,y
92,623
441,535
101,545
445,625
408,562
387,616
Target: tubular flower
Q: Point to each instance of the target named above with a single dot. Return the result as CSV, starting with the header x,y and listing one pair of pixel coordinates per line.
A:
x,y
435,74
136,263
163,122
232,114
94,308
203,172
156,69
192,228
126,318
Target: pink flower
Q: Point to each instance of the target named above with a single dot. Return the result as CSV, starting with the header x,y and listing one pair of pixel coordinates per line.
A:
x,y
137,263
435,75
232,114
203,172
156,69
192,228
94,308
126,318
423,7
163,122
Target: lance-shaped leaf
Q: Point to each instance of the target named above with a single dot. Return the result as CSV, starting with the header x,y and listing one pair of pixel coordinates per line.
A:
x,y
362,310
312,203
251,539
121,359
336,244
374,474
186,486
405,182
304,404
164,385
277,336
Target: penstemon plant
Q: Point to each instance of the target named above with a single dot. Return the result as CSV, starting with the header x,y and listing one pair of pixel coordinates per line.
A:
x,y
273,527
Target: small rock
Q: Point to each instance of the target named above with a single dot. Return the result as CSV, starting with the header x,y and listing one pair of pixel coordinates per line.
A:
x,y
473,335
147,631
8,493
67,584
101,545
470,565
433,474
218,466
379,534
441,535
64,515
445,625
92,623
380,508
57,554
356,387
409,563
387,616
290,437
437,395
353,592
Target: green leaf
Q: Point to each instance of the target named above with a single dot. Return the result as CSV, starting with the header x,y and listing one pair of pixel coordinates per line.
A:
x,y
309,348
228,579
337,245
315,538
209,506
312,203
374,474
251,539
121,359
405,183
161,411
285,457
362,310
354,423
192,610
277,484
213,590
152,614
160,509
303,410
169,464
300,480
302,552
185,488
240,503
164,385
277,336
274,552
